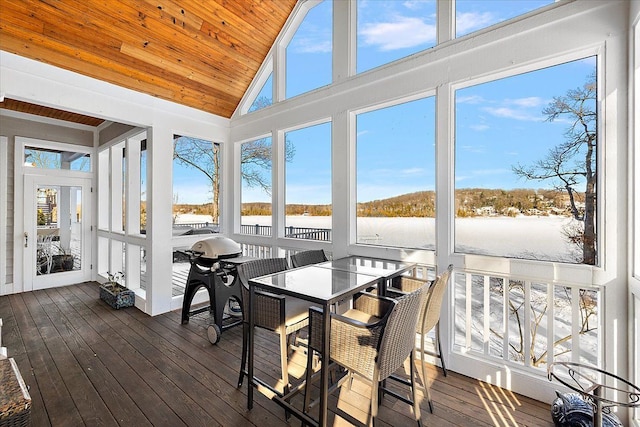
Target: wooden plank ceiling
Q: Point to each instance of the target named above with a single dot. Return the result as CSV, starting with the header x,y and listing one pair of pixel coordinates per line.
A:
x,y
199,53
54,113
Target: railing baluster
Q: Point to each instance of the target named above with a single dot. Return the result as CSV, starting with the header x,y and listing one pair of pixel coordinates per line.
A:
x,y
527,324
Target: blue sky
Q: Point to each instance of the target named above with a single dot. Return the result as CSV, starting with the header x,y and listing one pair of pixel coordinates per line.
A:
x,y
498,124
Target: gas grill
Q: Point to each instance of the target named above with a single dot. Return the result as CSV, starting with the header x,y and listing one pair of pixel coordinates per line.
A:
x,y
213,266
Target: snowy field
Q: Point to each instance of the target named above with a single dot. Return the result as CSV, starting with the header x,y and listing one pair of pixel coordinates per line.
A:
x,y
520,237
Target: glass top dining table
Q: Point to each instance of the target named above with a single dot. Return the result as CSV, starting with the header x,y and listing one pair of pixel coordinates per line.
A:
x,y
323,284
386,269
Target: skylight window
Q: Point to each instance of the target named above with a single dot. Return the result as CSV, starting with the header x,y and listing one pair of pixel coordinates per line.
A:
x,y
390,30
309,54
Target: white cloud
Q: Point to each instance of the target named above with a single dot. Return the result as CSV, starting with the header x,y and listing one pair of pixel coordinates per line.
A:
x,y
471,21
479,127
485,172
412,171
473,148
472,99
313,45
513,113
400,33
416,4
532,101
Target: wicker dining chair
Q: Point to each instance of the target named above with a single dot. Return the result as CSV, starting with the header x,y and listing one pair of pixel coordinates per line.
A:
x,y
429,316
314,256
278,313
371,340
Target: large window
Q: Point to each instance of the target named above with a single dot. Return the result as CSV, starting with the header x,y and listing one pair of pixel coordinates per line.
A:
x,y
255,166
308,183
473,15
526,165
390,30
309,58
396,175
196,185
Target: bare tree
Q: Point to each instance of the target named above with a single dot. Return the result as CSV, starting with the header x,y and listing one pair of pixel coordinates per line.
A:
x,y
573,162
204,156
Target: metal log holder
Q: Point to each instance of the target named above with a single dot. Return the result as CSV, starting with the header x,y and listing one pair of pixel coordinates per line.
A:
x,y
593,384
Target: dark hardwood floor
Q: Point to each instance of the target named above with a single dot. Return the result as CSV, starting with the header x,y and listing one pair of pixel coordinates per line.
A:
x,y
87,364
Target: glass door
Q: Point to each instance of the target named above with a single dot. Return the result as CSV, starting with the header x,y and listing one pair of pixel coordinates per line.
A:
x,y
56,231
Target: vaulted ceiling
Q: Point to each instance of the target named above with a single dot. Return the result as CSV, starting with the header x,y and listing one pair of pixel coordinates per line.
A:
x,y
199,53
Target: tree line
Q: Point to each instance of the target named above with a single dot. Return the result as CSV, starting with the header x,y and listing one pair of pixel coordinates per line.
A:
x,y
468,202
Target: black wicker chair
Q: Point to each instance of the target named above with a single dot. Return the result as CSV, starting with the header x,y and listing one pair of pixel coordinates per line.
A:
x,y
372,340
429,315
278,313
314,256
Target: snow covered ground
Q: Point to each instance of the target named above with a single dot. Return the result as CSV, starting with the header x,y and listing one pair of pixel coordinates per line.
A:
x,y
520,237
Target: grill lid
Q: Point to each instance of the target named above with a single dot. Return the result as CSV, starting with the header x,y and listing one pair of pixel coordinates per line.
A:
x,y
217,247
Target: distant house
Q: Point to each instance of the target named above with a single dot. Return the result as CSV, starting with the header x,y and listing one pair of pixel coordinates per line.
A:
x,y
486,211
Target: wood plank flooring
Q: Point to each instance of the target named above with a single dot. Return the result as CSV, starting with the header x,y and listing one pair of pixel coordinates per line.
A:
x,y
87,364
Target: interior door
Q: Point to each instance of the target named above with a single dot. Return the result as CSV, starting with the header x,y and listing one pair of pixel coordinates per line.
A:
x,y
57,230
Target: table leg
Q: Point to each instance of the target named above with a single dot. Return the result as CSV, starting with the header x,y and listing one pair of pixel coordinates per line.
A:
x,y
324,368
250,339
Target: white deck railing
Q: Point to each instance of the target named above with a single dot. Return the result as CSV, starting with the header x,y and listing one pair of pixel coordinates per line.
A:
x,y
525,322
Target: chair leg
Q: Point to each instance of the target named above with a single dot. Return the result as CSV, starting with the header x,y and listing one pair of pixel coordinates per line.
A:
x,y
424,373
243,360
375,384
284,355
444,368
307,385
414,390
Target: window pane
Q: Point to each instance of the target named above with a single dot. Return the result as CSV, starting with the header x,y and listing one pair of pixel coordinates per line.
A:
x,y
473,15
309,63
524,146
396,175
56,159
255,216
196,185
389,30
265,97
308,183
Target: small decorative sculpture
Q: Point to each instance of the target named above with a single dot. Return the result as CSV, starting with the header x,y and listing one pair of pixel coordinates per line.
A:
x,y
572,410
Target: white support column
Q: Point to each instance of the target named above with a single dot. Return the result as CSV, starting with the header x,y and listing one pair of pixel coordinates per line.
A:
x,y
159,188
343,186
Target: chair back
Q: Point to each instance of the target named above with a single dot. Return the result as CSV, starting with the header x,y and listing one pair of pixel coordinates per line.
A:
x,y
314,256
435,295
256,268
399,337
